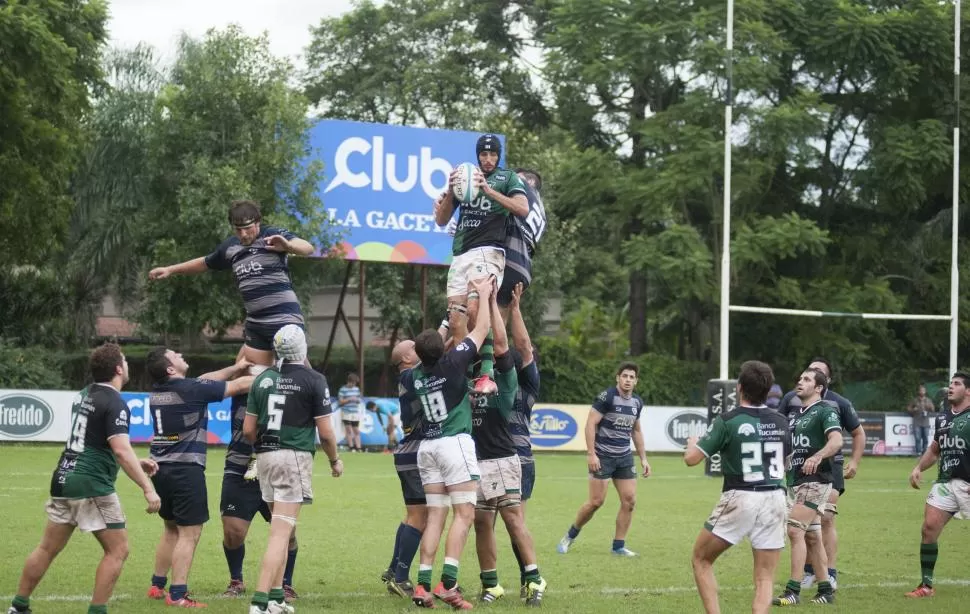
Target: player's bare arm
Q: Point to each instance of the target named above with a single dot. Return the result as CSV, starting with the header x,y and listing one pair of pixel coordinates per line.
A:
x,y
444,207
121,448
189,267
483,290
858,447
328,441
833,443
234,370
592,421
295,246
238,386
639,447
500,336
520,333
517,204
693,454
250,427
926,461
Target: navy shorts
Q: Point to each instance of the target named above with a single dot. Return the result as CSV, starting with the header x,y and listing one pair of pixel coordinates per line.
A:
x,y
241,498
411,487
612,468
181,487
528,479
260,336
509,278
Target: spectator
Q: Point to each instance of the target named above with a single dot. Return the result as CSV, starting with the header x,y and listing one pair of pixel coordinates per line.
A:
x,y
921,409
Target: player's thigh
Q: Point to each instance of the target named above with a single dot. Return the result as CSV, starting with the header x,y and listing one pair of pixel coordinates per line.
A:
x,y
458,461
114,542
458,271
708,546
57,533
765,563
961,492
831,508
189,495
286,476
528,480
597,490
769,511
428,465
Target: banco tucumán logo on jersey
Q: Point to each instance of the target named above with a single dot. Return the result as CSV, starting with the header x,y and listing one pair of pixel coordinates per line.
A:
x,y
746,430
23,416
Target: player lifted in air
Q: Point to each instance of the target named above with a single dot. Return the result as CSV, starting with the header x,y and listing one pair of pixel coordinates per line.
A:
x,y
288,407
446,456
82,489
180,419
950,494
524,233
753,442
500,487
258,259
613,420
816,436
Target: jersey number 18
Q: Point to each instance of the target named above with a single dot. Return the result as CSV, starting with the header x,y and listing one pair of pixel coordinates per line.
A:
x,y
435,409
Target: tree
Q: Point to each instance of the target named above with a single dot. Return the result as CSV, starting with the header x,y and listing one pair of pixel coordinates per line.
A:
x,y
51,52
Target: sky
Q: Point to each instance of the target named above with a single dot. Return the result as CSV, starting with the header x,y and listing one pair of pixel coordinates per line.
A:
x,y
160,23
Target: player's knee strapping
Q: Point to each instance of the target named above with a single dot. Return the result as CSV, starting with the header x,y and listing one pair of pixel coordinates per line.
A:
x,y
798,524
486,506
464,496
509,501
832,508
290,520
438,500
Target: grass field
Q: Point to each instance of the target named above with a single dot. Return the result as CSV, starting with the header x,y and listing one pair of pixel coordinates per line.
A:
x,y
346,539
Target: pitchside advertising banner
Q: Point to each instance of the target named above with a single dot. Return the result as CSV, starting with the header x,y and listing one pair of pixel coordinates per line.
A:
x,y
380,184
45,416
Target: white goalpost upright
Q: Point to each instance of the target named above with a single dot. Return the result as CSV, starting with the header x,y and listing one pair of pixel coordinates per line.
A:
x,y
726,307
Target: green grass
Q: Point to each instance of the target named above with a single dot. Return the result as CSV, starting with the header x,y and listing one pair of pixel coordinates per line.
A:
x,y
346,539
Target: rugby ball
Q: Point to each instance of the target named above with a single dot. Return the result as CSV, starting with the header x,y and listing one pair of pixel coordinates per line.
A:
x,y
464,188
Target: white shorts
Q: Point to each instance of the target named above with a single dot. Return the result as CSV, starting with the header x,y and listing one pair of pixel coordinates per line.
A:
x,y
448,460
91,514
953,497
285,476
476,263
757,515
501,477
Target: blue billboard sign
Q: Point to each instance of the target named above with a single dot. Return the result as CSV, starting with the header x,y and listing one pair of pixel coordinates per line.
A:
x,y
380,183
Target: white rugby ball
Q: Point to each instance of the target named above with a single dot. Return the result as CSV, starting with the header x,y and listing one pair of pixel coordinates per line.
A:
x,y
464,189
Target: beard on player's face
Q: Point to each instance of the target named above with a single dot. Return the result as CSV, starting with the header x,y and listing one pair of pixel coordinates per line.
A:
x,y
487,161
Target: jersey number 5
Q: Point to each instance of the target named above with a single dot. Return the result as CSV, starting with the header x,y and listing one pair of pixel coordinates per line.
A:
x,y
753,460
435,409
274,407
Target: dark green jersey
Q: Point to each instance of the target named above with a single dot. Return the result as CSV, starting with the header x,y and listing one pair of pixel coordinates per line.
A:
x,y
753,443
953,435
482,222
442,392
810,427
88,467
490,418
287,403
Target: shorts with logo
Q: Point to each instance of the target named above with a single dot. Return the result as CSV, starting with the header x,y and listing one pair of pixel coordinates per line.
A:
x,y
91,515
501,480
476,263
758,515
285,476
182,489
411,487
242,498
813,495
528,478
951,496
448,460
259,335
615,468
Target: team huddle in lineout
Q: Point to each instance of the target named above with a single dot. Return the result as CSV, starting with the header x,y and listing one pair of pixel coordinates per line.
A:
x,y
466,392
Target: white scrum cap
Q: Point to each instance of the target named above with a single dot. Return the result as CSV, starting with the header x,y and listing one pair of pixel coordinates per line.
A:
x,y
290,343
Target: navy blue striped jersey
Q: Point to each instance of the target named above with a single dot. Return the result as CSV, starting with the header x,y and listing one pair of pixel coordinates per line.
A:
x,y
533,225
522,235
263,278
180,417
406,452
614,431
239,451
521,416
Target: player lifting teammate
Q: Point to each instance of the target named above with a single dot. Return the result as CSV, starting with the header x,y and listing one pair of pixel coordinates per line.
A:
x,y
446,456
500,487
816,436
82,489
258,259
950,494
180,419
753,442
287,408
